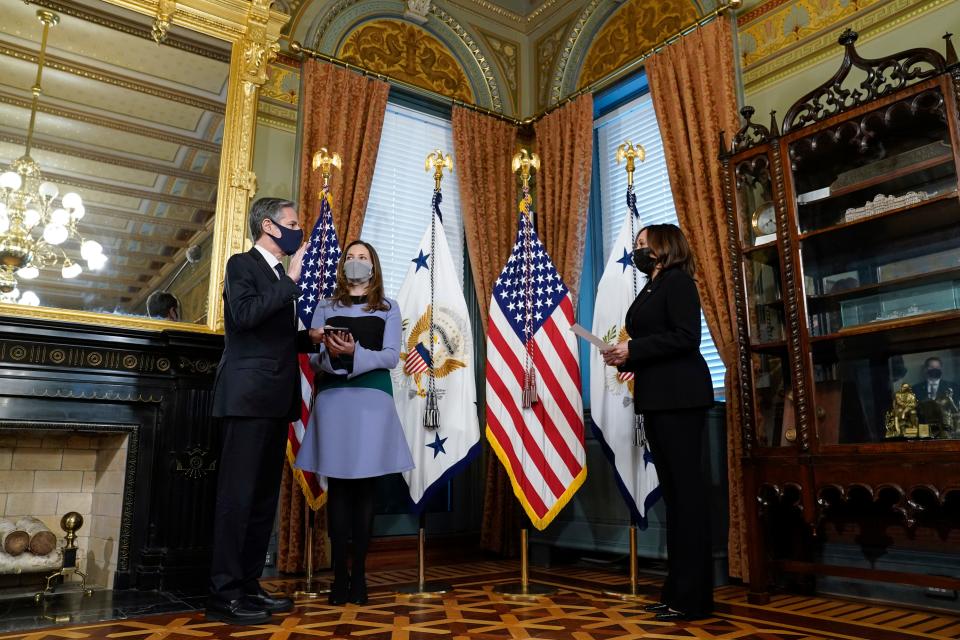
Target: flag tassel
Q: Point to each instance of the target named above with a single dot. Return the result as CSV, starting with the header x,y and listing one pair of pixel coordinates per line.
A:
x,y
529,388
431,415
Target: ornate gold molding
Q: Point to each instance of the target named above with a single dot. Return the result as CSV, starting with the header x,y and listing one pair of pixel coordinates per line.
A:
x,y
634,27
252,29
506,53
546,49
409,53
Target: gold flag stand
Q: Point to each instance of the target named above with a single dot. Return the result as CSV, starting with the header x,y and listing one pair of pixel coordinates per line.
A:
x,y
524,589
422,588
629,592
309,588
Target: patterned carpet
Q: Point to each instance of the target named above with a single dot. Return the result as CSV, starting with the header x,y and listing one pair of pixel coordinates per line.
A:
x,y
579,611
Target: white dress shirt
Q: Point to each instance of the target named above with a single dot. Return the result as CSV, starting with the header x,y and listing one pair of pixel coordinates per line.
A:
x,y
270,258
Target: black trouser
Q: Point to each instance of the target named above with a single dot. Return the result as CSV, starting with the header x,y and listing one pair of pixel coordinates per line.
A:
x,y
676,441
248,488
350,513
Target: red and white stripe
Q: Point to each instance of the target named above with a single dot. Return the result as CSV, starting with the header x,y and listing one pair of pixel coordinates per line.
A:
x,y
313,490
541,447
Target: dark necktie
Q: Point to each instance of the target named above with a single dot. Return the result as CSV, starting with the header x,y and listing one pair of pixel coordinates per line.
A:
x,y
279,269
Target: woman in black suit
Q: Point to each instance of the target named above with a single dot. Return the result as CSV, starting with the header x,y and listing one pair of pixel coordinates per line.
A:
x,y
672,391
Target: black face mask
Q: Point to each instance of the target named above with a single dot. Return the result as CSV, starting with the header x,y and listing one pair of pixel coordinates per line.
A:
x,y
934,374
644,261
289,240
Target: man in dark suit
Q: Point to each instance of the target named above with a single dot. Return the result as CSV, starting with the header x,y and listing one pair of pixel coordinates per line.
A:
x,y
933,387
256,394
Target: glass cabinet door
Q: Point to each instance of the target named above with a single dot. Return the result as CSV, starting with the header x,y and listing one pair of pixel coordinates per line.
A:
x,y
879,236
773,402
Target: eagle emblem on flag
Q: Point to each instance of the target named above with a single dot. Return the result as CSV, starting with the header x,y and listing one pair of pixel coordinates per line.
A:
x,y
449,350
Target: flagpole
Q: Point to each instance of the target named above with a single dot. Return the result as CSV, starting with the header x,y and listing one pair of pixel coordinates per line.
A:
x,y
325,161
436,161
525,163
627,151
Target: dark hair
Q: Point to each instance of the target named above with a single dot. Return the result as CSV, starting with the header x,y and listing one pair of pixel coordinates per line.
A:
x,y
264,208
376,298
159,304
671,247
926,363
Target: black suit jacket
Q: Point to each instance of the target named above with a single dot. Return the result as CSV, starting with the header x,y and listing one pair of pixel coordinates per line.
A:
x,y
664,327
920,390
258,375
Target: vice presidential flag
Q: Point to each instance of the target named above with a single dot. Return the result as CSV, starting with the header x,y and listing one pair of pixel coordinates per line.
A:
x,y
611,392
529,342
317,280
431,290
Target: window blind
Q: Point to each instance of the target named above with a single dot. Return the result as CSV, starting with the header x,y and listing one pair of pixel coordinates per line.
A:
x,y
636,121
398,210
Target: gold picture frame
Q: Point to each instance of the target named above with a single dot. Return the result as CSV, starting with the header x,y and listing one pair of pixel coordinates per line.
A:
x,y
252,28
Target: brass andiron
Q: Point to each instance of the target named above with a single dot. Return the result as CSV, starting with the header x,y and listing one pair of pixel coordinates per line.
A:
x,y
71,522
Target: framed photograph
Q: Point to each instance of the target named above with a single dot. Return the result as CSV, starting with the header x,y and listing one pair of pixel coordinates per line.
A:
x,y
841,281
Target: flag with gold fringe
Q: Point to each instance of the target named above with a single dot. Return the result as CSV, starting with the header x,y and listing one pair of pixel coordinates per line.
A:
x,y
317,281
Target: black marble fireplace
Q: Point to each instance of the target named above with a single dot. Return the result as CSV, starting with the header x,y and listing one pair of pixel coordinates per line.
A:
x,y
157,389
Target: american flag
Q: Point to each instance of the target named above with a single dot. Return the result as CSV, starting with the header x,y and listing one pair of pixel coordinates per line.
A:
x,y
317,281
418,360
531,313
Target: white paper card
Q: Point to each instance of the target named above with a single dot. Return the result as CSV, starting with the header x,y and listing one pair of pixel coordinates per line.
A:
x,y
589,337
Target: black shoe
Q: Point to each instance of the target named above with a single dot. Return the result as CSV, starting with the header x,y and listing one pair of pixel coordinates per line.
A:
x,y
338,591
358,590
656,607
236,612
269,603
670,614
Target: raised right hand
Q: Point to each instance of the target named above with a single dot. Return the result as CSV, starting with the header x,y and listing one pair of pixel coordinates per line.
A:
x,y
296,263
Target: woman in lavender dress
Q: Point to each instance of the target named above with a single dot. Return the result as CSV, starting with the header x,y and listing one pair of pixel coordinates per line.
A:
x,y
355,435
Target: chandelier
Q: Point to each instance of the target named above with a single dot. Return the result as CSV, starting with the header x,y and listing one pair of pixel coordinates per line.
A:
x,y
33,225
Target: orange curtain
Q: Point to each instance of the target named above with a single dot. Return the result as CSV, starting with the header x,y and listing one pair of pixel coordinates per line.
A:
x,y
484,147
564,141
343,111
692,84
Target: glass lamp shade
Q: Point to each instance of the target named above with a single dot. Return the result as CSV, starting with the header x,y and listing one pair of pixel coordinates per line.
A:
x,y
28,273
30,218
30,299
97,262
78,212
71,200
3,209
60,217
55,234
13,295
71,270
10,180
89,249
48,190
4,223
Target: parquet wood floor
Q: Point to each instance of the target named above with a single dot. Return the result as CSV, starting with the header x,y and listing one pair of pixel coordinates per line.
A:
x,y
578,611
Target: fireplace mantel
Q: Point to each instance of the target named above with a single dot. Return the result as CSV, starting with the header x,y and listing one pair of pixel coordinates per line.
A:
x,y
155,385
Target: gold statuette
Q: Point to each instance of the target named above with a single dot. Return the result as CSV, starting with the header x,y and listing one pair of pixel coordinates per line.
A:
x,y
438,161
627,151
524,162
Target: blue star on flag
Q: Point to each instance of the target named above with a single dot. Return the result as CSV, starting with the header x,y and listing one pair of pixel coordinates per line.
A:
x,y
437,445
626,260
421,260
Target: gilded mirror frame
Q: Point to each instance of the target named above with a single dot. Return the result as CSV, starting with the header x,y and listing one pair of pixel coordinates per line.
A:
x,y
252,28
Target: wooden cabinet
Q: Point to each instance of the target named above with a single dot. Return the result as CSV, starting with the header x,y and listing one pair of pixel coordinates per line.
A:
x,y
844,225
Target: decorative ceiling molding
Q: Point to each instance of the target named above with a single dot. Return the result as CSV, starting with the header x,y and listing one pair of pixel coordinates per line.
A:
x,y
507,55
116,23
115,79
546,59
85,153
639,22
783,38
110,123
344,16
590,18
404,51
